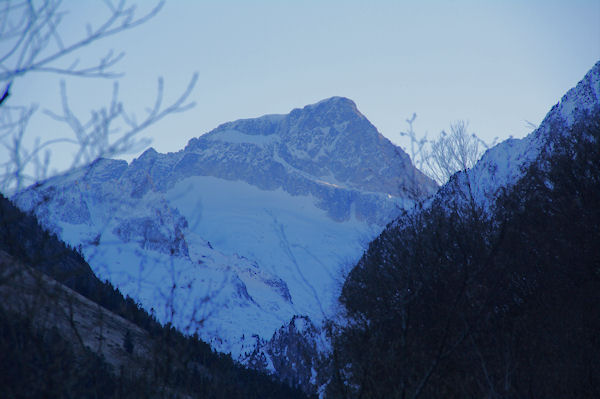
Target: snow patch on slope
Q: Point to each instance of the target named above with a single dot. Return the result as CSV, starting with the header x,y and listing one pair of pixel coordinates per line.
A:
x,y
276,229
237,137
246,227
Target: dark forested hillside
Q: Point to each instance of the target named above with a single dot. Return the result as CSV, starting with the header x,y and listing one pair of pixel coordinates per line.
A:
x,y
502,303
44,332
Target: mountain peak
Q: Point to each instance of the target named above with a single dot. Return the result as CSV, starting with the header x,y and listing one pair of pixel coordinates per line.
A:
x,y
254,206
333,102
324,113
333,110
582,98
329,142
503,165
150,152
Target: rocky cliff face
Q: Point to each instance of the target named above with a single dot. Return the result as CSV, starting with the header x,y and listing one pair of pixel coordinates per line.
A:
x,y
249,225
294,353
328,150
329,142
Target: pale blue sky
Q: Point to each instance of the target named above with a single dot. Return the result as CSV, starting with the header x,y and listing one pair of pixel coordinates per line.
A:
x,y
493,63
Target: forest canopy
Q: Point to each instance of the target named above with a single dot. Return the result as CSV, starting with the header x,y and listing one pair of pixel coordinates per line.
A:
x,y
461,302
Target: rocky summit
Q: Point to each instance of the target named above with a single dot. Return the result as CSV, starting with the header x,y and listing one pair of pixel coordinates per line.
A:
x,y
250,226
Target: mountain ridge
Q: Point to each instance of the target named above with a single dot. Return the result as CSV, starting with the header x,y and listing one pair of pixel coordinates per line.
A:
x,y
232,235
484,291
242,210
502,165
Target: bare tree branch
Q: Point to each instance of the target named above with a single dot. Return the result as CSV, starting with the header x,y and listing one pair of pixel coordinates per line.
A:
x,y
30,33
38,24
441,157
94,137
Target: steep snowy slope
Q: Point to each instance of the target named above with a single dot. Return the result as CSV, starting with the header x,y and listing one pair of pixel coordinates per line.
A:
x,y
246,227
498,268
502,165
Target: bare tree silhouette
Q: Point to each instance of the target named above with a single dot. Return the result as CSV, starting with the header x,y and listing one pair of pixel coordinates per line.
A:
x,y
32,42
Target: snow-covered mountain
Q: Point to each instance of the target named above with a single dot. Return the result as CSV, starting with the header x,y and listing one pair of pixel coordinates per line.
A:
x,y
502,258
248,226
502,166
